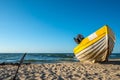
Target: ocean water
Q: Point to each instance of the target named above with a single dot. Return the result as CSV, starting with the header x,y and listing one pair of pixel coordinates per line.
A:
x,y
43,57
37,57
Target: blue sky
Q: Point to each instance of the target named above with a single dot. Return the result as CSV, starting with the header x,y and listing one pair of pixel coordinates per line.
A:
x,y
50,25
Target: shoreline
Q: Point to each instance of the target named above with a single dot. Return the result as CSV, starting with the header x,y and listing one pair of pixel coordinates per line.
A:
x,y
114,61
63,71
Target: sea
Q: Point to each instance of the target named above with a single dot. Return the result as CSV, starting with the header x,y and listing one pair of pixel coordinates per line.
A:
x,y
40,58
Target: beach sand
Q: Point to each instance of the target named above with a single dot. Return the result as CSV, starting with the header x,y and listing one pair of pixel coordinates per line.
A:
x,y
63,71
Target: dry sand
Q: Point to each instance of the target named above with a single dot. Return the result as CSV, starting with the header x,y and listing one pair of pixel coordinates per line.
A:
x,y
63,71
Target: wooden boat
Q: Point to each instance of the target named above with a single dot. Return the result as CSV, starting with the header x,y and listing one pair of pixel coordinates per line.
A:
x,y
96,47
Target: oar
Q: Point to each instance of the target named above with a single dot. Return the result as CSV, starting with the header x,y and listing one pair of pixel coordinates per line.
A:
x,y
21,61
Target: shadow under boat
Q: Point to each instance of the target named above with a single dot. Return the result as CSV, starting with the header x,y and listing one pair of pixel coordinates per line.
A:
x,y
112,61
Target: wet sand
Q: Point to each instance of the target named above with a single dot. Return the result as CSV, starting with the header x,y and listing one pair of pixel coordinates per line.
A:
x,y
63,71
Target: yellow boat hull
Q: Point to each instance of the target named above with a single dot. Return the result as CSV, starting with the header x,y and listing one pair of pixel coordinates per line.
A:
x,y
96,47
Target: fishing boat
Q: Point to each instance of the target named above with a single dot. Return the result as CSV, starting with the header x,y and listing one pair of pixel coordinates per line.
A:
x,y
96,47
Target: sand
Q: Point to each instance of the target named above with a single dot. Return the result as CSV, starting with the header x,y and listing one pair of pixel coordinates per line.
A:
x,y
63,71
